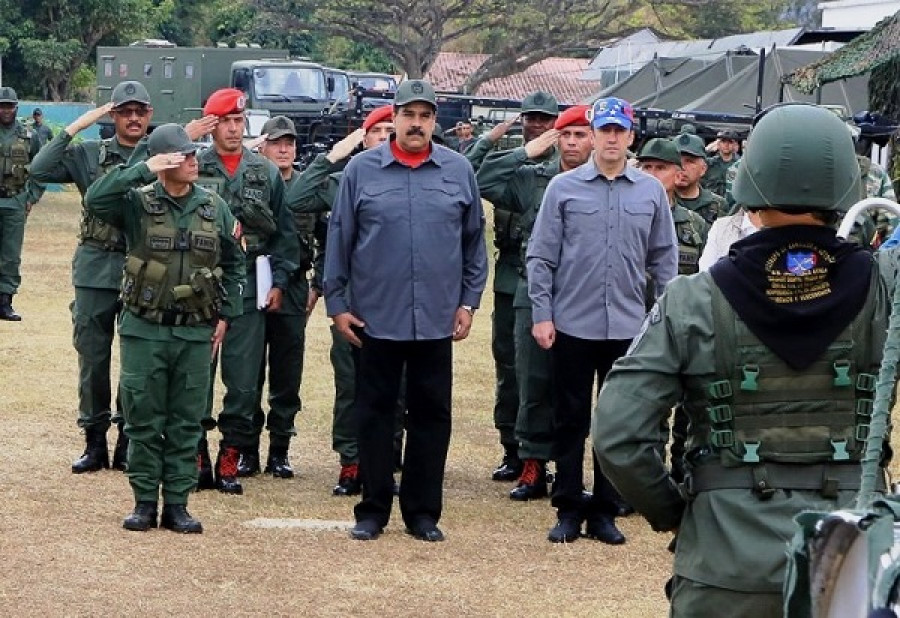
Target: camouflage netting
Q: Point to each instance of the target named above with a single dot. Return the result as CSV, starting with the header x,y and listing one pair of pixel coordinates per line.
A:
x,y
866,52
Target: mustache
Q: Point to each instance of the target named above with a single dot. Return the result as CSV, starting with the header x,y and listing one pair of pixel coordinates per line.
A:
x,y
415,131
136,125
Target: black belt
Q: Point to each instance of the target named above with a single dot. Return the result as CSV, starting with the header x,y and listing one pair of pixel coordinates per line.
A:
x,y
765,478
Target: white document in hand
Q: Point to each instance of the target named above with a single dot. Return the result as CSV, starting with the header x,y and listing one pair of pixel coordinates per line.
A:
x,y
263,280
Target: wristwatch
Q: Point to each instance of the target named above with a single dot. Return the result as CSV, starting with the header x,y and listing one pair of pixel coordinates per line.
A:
x,y
468,308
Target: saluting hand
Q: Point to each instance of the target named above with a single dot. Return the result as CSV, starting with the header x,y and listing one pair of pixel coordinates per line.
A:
x,y
544,333
344,323
88,118
346,146
500,130
200,127
164,161
541,144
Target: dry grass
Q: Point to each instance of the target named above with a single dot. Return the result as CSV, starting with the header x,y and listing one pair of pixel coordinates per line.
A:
x,y
64,551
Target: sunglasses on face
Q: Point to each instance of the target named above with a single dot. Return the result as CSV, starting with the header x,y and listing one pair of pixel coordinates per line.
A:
x,y
127,112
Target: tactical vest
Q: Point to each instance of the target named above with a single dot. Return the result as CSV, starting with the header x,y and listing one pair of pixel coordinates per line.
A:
x,y
14,157
172,276
690,243
251,206
94,231
770,427
305,223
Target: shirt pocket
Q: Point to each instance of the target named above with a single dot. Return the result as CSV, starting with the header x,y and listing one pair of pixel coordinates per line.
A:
x,y
582,217
443,203
383,203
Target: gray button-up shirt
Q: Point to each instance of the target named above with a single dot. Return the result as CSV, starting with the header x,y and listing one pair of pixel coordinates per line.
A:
x,y
593,241
406,246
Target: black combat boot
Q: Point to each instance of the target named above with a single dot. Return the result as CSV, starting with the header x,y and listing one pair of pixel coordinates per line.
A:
x,y
532,484
278,464
226,471
95,456
175,517
205,478
248,462
120,452
6,309
348,481
142,518
510,468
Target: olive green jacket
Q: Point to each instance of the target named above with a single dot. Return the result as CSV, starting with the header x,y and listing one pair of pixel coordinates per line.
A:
x,y
707,204
727,538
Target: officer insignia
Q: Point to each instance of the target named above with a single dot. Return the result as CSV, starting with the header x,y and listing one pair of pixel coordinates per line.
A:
x,y
800,262
241,103
129,89
207,212
417,88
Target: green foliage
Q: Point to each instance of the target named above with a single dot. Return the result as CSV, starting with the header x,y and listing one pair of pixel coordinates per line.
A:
x,y
710,20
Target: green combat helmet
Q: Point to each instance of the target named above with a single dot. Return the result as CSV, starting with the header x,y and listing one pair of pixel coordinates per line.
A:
x,y
170,138
660,149
799,158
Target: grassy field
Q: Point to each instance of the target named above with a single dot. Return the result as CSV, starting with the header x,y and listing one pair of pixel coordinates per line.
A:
x,y
64,552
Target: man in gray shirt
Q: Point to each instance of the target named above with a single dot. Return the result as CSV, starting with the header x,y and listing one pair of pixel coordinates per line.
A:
x,y
405,268
601,227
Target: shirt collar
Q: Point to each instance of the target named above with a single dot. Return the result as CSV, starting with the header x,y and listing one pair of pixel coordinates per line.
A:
x,y
437,157
589,171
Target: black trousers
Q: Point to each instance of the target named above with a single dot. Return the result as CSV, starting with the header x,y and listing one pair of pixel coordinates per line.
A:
x,y
576,363
429,374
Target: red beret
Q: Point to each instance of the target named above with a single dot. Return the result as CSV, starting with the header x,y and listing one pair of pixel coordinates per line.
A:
x,y
575,116
225,101
379,114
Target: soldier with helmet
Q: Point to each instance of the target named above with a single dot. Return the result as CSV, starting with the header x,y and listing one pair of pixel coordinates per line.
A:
x,y
774,352
18,193
98,261
253,188
181,288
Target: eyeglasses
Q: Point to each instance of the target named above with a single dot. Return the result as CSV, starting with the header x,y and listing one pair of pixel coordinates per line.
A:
x,y
128,112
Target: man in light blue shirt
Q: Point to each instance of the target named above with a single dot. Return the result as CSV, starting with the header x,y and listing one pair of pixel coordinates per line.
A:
x,y
601,228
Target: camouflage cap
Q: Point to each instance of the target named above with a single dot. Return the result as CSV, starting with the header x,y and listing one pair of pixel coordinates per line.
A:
x,y
8,95
413,90
277,127
129,92
660,149
690,145
170,138
541,103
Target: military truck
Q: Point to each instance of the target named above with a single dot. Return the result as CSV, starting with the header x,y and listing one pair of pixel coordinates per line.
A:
x,y
180,80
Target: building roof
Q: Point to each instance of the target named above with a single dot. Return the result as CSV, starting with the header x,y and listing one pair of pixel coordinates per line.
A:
x,y
558,76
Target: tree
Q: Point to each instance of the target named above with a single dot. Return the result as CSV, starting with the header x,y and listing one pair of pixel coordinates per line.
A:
x,y
51,39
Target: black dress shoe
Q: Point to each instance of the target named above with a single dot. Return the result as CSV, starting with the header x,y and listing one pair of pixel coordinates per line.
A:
x,y
226,471
426,530
142,518
6,309
532,483
509,469
175,517
366,530
248,463
348,481
566,530
120,452
604,529
279,466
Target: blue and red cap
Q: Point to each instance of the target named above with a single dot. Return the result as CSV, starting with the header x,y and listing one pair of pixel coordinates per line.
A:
x,y
612,110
